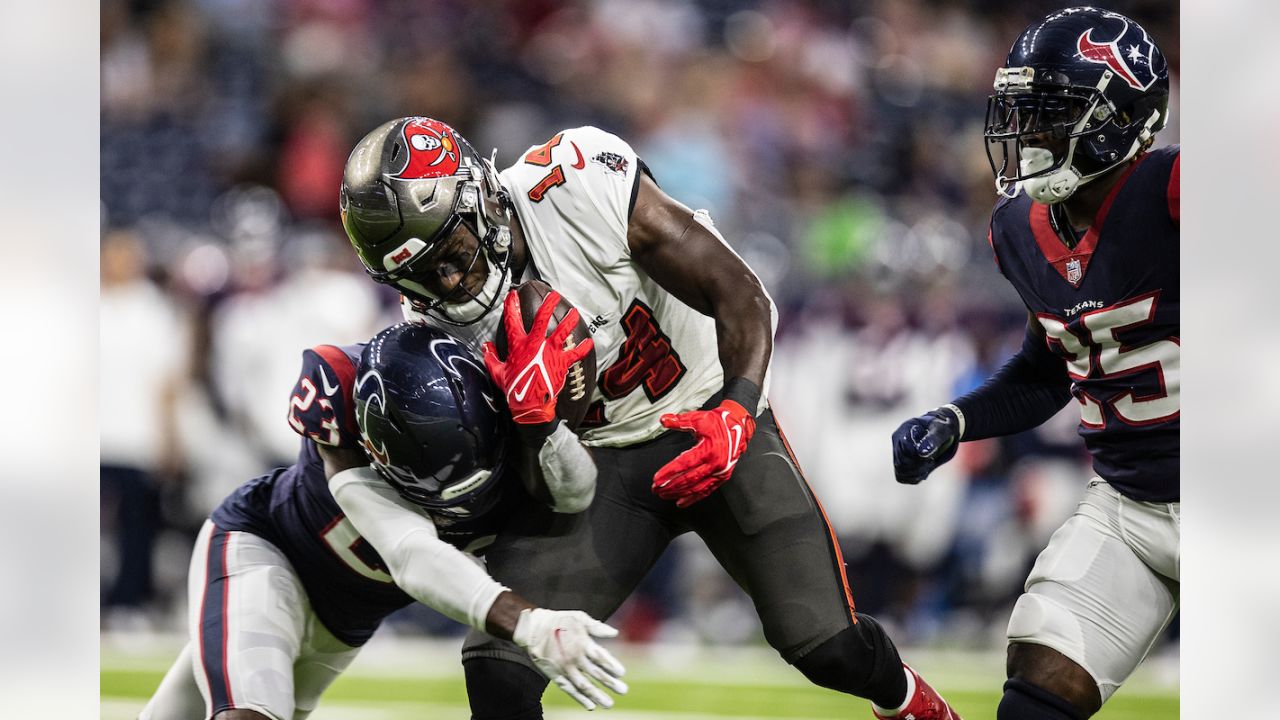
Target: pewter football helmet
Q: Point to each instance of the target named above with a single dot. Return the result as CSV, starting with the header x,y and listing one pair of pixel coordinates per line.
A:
x,y
407,186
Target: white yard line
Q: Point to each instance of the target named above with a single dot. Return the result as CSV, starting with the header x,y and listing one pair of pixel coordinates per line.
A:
x,y
118,709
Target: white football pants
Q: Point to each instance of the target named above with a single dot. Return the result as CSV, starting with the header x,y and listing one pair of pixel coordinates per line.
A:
x,y
1106,586
254,642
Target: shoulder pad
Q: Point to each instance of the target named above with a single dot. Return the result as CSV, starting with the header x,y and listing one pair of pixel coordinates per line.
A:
x,y
1000,216
1170,158
595,167
322,407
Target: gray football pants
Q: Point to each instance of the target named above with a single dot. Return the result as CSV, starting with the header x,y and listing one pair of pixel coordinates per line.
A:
x,y
764,526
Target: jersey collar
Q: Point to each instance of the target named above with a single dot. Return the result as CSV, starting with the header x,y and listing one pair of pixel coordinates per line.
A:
x,y
1072,263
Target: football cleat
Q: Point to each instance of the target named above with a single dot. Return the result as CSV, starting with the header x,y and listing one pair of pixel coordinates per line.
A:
x,y
924,704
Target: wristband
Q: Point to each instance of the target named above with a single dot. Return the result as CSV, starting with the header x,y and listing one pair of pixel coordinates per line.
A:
x,y
959,418
744,392
535,435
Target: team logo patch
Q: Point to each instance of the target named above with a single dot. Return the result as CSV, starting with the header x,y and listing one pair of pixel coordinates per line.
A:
x,y
433,150
612,162
402,254
1129,54
1074,271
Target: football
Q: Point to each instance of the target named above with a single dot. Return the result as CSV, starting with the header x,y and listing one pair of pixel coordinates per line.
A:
x,y
580,383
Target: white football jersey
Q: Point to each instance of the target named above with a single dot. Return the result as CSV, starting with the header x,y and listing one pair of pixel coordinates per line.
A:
x,y
654,354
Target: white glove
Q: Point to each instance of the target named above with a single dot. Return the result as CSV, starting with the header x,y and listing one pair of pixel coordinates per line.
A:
x,y
559,641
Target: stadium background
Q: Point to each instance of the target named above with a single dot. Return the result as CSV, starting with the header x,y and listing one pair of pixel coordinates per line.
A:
x,y
837,144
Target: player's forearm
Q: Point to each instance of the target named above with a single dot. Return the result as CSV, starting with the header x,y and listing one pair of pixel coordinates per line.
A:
x,y
745,315
1028,390
744,335
504,614
684,253
428,569
552,457
443,578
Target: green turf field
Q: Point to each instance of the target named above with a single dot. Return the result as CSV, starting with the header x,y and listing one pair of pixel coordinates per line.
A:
x,y
396,679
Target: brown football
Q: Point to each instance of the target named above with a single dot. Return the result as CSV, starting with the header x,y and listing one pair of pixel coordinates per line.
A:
x,y
580,383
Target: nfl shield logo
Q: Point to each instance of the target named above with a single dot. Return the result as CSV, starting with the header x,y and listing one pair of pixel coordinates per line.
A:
x,y
1073,271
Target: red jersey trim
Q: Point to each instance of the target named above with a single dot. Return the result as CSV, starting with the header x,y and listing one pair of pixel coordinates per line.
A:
x,y
1175,190
1059,255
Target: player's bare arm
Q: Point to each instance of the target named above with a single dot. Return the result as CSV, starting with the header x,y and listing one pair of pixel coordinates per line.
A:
x,y
689,261
685,255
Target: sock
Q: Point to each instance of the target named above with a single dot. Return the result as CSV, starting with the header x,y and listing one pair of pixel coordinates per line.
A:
x,y
911,692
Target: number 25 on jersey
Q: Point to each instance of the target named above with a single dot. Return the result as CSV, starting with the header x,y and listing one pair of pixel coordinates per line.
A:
x,y
1096,358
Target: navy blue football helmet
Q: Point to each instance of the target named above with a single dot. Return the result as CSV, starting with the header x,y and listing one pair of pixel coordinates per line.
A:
x,y
431,424
1088,82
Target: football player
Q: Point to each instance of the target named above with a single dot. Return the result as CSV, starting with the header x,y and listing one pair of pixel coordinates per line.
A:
x,y
680,430
1088,235
296,569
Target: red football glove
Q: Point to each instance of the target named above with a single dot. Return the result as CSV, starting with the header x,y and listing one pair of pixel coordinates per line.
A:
x,y
536,365
722,433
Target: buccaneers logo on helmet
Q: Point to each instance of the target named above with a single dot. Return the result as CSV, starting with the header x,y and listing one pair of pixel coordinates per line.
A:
x,y
433,150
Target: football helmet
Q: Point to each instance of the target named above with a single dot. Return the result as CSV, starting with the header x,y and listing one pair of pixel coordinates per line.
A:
x,y
1088,83
406,188
431,424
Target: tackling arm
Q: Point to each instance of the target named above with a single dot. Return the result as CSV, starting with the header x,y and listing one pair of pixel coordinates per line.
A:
x,y
430,570
560,642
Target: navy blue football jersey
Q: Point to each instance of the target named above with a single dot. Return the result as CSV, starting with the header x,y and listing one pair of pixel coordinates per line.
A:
x,y
1109,308
346,581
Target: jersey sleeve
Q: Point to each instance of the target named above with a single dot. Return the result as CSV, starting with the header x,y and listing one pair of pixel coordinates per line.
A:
x,y
591,177
1174,191
609,168
322,406
430,570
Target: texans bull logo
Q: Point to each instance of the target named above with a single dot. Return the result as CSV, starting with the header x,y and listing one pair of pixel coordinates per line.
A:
x,y
433,150
1129,54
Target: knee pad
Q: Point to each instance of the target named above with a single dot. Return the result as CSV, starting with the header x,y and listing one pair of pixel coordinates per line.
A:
x,y
861,660
1042,620
503,690
1024,701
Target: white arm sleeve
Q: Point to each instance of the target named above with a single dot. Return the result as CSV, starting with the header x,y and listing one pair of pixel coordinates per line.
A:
x,y
430,570
568,470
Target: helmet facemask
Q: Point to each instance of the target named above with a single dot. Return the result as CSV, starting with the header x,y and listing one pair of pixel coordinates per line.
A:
x,y
1098,136
481,208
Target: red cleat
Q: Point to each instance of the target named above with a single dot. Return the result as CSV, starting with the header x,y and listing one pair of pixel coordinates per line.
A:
x,y
924,703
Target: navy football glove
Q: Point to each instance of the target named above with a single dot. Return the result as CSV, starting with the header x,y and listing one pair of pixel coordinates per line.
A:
x,y
923,443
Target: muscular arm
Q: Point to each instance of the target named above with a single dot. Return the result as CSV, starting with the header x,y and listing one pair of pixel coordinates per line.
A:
x,y
1028,390
430,570
692,262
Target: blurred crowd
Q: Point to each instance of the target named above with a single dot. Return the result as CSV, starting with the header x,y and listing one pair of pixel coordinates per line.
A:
x,y
838,145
